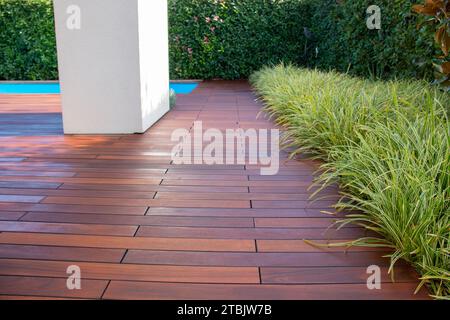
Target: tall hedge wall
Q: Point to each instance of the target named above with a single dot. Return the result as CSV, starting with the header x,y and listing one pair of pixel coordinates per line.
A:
x,y
345,43
232,38
27,40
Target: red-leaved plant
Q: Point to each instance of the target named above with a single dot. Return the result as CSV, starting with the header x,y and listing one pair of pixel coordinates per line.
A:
x,y
437,13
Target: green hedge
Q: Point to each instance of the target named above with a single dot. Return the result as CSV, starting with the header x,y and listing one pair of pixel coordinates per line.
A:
x,y
245,35
27,40
345,43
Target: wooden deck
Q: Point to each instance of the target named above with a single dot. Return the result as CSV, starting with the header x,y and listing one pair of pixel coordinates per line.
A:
x,y
140,227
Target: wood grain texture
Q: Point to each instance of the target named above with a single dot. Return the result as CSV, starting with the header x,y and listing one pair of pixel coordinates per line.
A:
x,y
112,242
166,291
134,272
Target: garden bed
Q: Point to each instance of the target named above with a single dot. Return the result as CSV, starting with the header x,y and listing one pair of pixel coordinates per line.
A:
x,y
387,144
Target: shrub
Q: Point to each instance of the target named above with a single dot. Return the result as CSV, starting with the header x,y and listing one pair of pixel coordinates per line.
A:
x,y
346,44
27,40
387,144
230,39
437,13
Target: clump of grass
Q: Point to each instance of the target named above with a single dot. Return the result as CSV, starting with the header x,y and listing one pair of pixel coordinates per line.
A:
x,y
388,146
172,98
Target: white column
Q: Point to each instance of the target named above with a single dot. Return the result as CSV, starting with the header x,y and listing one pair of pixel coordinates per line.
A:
x,y
113,64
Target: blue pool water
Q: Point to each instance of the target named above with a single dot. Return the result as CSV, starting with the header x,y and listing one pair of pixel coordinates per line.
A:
x,y
183,88
53,88
29,88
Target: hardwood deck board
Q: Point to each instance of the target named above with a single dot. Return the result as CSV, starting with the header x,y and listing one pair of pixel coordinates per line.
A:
x,y
10,215
55,287
323,222
251,233
20,198
70,208
174,203
315,258
82,180
288,245
151,188
233,196
219,183
112,242
60,253
333,275
133,272
169,291
69,228
216,212
79,193
125,220
143,227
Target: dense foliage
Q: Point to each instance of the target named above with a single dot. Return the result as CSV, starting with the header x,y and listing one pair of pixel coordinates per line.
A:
x,y
437,14
27,40
344,42
387,144
232,38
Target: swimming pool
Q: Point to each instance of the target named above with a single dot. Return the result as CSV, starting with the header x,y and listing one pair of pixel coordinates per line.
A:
x,y
53,88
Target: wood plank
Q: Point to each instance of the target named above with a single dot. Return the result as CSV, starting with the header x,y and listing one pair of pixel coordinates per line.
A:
x,y
29,185
216,212
67,228
148,202
336,257
304,189
140,220
166,291
290,245
6,173
10,216
324,275
108,271
52,167
55,287
297,223
252,233
60,253
150,188
141,175
275,204
232,196
20,199
82,180
111,242
216,183
241,212
65,208
79,193
16,159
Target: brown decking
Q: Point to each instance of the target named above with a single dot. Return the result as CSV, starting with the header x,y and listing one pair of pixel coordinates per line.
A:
x,y
140,227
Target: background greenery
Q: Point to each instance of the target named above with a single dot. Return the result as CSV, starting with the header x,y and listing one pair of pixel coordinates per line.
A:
x,y
345,43
27,40
246,35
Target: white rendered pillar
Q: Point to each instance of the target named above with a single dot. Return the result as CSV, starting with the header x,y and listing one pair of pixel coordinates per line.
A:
x,y
113,62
